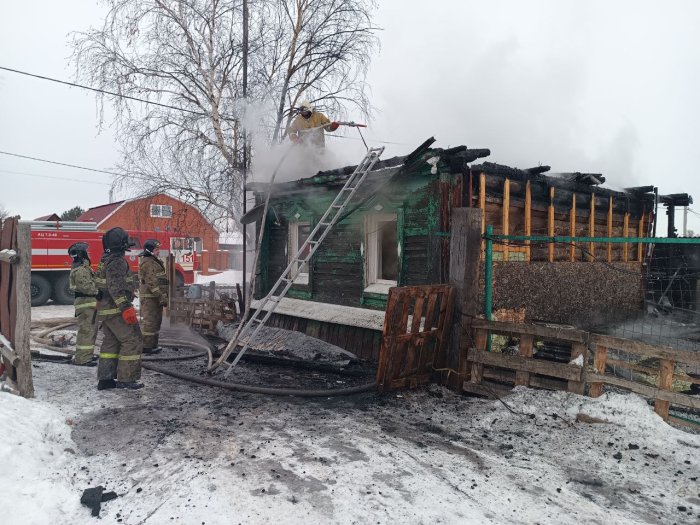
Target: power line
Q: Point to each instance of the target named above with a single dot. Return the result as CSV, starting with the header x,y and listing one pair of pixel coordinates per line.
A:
x,y
59,163
112,93
54,177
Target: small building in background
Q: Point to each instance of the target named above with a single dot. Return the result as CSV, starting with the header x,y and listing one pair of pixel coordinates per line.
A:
x,y
50,217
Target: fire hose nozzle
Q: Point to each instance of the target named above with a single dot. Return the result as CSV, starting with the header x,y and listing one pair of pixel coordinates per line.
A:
x,y
352,124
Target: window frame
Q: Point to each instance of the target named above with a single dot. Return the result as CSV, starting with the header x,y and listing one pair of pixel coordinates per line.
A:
x,y
160,208
304,277
373,283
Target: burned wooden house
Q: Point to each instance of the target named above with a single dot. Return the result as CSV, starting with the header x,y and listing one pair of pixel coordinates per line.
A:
x,y
396,232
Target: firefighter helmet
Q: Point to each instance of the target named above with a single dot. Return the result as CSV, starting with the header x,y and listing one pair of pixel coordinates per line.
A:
x,y
150,247
116,240
78,250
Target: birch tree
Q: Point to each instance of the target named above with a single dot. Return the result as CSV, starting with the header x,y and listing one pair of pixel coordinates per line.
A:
x,y
185,57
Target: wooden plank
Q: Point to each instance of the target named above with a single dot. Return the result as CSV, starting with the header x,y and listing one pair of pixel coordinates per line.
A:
x,y
684,423
538,366
646,390
650,371
572,228
550,224
640,246
506,217
578,349
610,227
522,377
22,283
7,352
482,206
528,218
626,233
550,383
477,369
599,358
645,349
538,331
666,383
591,228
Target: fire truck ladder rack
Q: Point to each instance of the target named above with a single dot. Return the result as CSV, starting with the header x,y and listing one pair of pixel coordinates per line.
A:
x,y
306,251
61,225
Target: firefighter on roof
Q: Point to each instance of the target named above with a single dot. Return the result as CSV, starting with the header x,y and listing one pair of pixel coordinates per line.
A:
x,y
120,352
153,295
309,125
82,283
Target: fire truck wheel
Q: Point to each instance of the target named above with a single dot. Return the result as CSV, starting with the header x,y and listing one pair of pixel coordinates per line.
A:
x,y
40,288
61,290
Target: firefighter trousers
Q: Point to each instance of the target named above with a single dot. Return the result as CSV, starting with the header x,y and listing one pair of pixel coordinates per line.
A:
x,y
151,319
87,332
120,352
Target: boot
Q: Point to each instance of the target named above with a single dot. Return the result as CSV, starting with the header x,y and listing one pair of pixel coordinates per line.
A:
x,y
106,384
129,385
89,363
151,351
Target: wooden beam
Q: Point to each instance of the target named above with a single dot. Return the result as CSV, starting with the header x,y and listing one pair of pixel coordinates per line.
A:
x,y
646,390
487,389
599,358
610,227
538,331
550,223
522,377
23,323
477,369
591,228
640,246
482,206
646,349
506,217
572,227
666,367
528,218
537,366
650,371
626,233
7,352
578,349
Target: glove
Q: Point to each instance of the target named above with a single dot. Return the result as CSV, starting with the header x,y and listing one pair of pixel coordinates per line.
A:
x,y
129,315
98,295
334,126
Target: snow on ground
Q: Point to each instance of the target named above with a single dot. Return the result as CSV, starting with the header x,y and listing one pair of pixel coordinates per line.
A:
x,y
187,454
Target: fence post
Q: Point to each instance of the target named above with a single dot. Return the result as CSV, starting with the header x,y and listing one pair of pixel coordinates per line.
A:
x,y
666,367
488,281
525,349
578,349
601,355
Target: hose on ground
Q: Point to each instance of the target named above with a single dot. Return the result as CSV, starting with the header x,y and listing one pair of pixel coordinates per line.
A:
x,y
261,389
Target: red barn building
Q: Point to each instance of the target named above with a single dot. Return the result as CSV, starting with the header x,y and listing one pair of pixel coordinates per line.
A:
x,y
159,212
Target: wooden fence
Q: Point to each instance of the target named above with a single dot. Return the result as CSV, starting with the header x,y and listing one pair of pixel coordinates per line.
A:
x,y
15,307
586,371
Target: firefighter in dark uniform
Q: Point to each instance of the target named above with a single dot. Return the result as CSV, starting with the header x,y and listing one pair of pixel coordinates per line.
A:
x,y
120,352
82,283
153,295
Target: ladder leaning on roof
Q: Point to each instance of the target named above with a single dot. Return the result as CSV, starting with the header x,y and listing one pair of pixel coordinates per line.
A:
x,y
304,254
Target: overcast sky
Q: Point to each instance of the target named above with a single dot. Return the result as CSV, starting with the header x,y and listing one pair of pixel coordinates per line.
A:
x,y
600,86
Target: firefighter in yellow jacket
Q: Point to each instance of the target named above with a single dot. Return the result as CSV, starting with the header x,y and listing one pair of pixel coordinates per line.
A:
x,y
308,127
82,283
120,352
153,295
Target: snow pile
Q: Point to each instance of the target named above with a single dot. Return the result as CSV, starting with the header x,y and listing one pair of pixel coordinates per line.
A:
x,y
36,454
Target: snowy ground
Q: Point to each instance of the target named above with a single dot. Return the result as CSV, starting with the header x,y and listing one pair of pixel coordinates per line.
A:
x,y
179,453
227,277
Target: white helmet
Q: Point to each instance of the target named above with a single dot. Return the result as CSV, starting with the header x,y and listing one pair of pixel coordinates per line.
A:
x,y
306,105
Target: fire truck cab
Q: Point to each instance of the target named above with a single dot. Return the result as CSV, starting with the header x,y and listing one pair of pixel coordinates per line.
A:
x,y
51,262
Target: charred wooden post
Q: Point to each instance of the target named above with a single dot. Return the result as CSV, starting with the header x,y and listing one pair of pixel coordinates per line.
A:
x,y
572,227
550,223
666,367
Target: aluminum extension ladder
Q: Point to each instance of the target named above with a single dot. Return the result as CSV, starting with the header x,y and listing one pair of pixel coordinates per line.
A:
x,y
305,252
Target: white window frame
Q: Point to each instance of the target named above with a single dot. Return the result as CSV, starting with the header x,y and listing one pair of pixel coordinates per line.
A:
x,y
303,277
158,209
373,253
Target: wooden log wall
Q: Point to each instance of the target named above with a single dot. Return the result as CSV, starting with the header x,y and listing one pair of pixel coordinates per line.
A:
x,y
515,207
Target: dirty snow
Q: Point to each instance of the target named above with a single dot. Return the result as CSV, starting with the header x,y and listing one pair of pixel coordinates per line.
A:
x,y
578,361
180,453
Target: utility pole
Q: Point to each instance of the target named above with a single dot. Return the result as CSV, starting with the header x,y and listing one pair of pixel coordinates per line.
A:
x,y
245,144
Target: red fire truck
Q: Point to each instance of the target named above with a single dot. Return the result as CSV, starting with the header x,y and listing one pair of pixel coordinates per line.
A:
x,y
51,263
